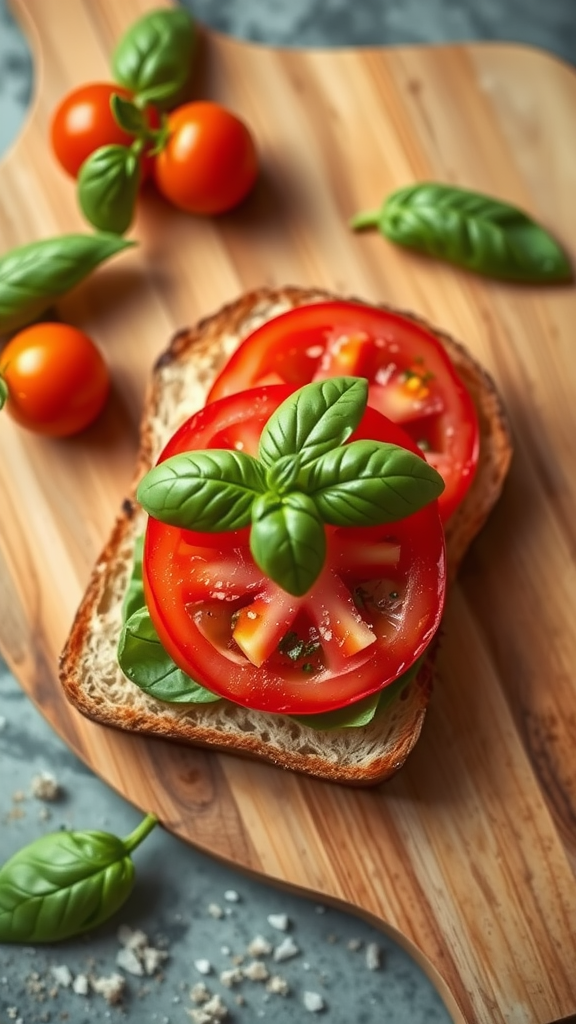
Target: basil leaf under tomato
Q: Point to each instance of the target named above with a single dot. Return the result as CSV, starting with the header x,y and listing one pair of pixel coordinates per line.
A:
x,y
155,57
356,716
144,661
33,276
108,184
471,230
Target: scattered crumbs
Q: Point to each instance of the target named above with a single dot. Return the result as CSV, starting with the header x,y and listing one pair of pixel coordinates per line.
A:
x,y
306,966
239,1000
127,959
62,975
286,950
225,950
80,985
212,1012
131,938
199,993
18,796
111,987
313,1002
256,971
354,945
279,921
277,985
44,814
231,977
232,896
153,958
259,946
215,911
203,966
373,956
12,1012
45,787
238,959
320,909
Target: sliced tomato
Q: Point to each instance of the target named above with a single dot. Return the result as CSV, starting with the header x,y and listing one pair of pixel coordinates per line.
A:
x,y
371,613
412,380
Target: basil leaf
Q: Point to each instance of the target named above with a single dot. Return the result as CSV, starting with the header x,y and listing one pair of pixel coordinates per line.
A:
x,y
209,490
128,116
287,540
108,184
33,276
314,419
154,58
66,883
362,712
134,596
471,230
369,482
144,661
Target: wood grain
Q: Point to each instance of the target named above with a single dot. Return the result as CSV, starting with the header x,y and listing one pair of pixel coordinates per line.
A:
x,y
468,853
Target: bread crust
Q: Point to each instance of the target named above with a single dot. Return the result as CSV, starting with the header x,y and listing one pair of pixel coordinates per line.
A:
x,y
89,674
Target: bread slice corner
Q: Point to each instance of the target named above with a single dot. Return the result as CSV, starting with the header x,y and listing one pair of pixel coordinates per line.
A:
x,y
89,671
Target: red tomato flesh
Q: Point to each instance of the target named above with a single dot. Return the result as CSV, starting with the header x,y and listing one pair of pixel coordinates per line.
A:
x,y
371,613
411,378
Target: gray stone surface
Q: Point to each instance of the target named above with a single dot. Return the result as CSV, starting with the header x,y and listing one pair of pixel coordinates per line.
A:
x,y
176,884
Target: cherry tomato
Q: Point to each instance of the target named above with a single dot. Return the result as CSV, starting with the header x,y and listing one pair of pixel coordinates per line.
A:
x,y
84,121
209,163
56,379
412,380
371,613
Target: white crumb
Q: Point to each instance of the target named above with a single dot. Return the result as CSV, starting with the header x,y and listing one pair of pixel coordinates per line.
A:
x,y
127,959
231,977
232,896
212,1012
215,911
111,987
313,1002
353,945
80,985
286,950
259,946
256,971
203,966
152,958
279,986
199,993
62,975
279,921
131,938
45,786
372,956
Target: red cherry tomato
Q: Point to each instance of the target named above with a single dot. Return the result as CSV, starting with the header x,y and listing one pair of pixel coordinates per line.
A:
x,y
209,163
55,379
371,613
84,121
412,380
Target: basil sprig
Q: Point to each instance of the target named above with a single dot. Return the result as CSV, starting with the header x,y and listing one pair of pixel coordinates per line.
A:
x,y
33,276
306,476
155,57
107,187
471,230
66,883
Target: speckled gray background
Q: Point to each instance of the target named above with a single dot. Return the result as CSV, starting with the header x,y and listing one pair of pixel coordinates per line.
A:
x,y
176,884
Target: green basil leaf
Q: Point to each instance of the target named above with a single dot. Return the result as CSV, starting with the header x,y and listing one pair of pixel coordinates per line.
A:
x,y
144,661
287,540
66,883
33,276
362,712
108,184
314,419
209,490
134,595
474,231
369,482
155,57
131,118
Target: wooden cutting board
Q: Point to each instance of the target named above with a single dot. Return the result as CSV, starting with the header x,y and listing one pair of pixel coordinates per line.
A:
x,y
469,852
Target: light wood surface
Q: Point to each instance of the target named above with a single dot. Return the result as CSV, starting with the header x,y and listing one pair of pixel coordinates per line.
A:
x,y
469,852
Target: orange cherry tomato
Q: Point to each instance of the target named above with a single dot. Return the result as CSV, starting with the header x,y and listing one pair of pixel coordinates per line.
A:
x,y
84,121
54,379
209,163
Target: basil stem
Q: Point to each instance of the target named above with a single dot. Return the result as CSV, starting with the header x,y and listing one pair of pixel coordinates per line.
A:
x,y
471,230
66,883
107,186
33,276
155,57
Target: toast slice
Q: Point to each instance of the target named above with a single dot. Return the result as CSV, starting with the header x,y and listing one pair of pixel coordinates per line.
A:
x,y
89,672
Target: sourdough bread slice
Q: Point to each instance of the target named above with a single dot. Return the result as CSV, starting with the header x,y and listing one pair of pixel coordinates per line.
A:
x,y
89,670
